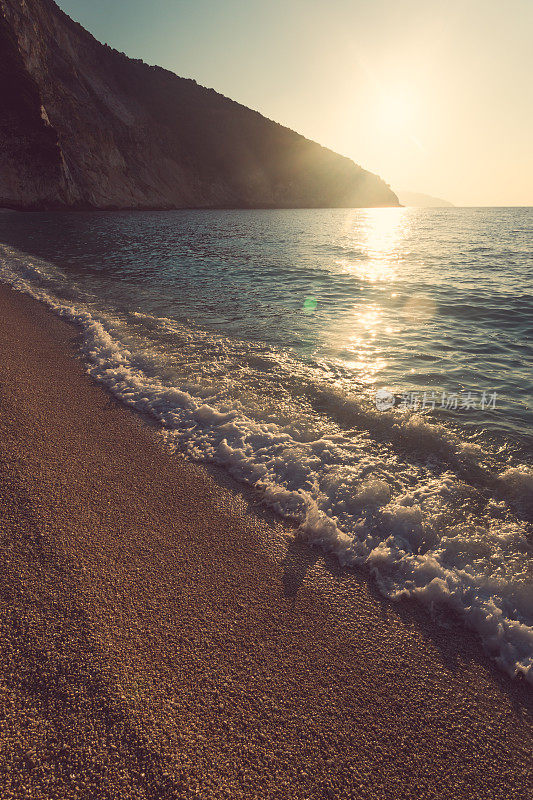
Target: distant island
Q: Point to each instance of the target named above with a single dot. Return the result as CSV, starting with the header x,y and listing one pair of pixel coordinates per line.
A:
x,y
84,126
420,200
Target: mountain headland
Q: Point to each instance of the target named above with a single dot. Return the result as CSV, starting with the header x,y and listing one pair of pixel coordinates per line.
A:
x,y
84,126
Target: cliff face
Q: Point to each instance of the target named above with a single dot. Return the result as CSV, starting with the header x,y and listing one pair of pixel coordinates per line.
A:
x,y
82,126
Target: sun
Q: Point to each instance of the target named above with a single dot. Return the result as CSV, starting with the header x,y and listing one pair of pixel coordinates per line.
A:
x,y
396,110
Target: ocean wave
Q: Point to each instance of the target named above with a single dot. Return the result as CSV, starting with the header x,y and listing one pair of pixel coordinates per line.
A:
x,y
423,511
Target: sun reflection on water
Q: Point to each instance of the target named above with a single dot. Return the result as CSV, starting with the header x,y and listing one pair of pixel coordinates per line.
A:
x,y
375,242
375,234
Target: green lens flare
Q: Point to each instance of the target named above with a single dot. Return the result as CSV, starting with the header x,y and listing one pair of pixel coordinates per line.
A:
x,y
310,303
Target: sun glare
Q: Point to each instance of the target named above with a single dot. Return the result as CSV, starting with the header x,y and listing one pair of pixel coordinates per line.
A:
x,y
396,111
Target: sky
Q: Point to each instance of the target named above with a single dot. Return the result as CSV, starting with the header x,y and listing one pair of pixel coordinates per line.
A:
x,y
435,96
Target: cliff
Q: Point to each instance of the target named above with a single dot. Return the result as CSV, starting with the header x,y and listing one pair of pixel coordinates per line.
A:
x,y
83,126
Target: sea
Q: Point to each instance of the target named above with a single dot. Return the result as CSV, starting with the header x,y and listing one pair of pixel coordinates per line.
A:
x,y
369,371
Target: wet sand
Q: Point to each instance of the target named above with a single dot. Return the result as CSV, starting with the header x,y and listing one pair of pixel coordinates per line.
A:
x,y
164,637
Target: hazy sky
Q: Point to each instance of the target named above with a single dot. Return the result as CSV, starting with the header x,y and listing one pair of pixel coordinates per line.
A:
x,y
434,95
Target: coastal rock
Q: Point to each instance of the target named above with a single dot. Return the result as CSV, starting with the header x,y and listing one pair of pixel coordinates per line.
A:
x,y
84,126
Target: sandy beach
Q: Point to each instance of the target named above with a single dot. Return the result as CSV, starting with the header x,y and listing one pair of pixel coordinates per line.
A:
x,y
162,636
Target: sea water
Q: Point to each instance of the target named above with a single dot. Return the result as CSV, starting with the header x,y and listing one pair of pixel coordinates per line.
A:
x,y
370,371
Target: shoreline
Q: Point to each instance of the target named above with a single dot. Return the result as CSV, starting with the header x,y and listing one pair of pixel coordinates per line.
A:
x,y
162,634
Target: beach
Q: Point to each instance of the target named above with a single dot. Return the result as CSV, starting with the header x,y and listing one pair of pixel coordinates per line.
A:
x,y
164,636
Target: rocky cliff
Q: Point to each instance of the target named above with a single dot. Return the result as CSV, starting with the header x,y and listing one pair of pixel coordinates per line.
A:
x,y
83,126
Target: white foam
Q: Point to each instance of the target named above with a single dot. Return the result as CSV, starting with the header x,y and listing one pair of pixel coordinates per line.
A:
x,y
517,483
401,508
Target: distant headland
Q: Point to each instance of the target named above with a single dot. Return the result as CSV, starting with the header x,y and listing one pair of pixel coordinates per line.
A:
x,y
419,200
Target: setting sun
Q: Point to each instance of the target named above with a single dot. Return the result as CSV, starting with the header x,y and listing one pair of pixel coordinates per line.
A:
x,y
396,111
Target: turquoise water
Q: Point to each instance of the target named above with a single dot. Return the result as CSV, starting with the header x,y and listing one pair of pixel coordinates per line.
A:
x,y
259,339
